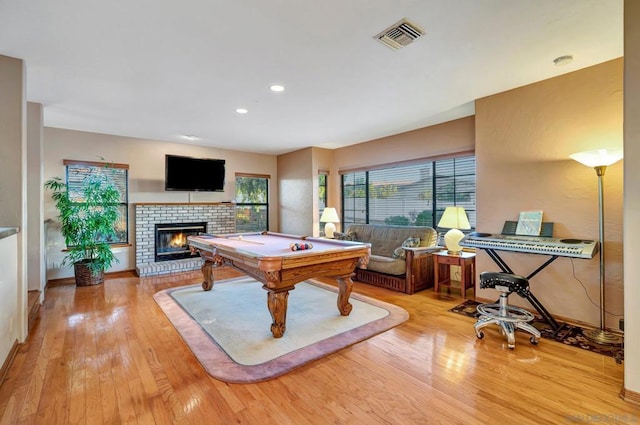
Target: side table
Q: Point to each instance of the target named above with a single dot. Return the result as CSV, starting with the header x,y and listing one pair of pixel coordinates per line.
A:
x,y
442,270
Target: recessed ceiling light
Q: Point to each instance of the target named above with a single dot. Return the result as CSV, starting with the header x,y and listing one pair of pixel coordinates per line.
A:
x,y
190,137
563,60
242,110
277,88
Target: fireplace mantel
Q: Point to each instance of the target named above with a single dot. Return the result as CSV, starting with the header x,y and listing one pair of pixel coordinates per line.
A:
x,y
219,216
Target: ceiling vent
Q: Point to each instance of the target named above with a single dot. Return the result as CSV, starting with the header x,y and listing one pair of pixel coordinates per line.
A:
x,y
400,34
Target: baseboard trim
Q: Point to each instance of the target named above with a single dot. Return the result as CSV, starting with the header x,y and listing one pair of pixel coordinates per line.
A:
x,y
51,283
8,362
630,396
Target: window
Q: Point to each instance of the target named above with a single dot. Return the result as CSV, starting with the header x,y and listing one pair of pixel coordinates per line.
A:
x,y
77,171
355,205
252,203
455,184
322,194
410,195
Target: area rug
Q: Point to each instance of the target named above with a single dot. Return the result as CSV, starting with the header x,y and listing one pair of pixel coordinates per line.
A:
x,y
228,328
568,334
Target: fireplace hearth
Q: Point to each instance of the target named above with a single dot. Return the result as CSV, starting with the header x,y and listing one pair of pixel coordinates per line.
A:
x,y
171,240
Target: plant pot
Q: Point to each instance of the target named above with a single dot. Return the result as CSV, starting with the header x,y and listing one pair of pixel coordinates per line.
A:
x,y
84,275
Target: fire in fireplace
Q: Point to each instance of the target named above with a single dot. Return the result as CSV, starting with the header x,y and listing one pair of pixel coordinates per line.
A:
x,y
171,239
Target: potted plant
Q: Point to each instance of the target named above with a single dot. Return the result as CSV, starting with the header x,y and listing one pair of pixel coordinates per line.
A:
x,y
87,220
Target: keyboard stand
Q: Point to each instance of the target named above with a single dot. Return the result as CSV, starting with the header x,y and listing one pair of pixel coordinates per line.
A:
x,y
531,298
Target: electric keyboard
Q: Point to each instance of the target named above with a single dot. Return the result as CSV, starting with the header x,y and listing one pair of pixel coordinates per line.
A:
x,y
577,248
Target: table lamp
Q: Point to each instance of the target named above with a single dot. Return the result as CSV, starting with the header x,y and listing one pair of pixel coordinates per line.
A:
x,y
329,217
454,218
600,159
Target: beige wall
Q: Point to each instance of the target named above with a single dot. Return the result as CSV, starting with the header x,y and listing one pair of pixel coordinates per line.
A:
x,y
323,163
632,196
13,130
146,178
36,277
13,284
296,183
523,141
451,137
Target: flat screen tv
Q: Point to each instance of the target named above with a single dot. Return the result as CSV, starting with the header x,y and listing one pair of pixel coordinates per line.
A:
x,y
183,173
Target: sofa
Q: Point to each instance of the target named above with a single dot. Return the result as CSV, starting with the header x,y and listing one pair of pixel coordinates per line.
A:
x,y
401,257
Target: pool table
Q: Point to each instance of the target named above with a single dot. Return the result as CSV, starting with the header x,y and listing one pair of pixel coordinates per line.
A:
x,y
269,258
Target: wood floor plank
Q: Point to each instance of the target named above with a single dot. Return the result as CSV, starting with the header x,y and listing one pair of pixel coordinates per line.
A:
x,y
78,377
93,400
109,355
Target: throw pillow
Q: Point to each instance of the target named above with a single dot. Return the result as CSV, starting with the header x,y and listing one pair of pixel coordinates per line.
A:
x,y
349,236
411,243
399,253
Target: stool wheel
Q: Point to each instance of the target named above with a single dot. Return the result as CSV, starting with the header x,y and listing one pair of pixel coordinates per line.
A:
x,y
534,340
480,335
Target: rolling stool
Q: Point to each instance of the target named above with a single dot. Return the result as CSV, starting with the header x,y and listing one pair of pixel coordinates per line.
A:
x,y
509,318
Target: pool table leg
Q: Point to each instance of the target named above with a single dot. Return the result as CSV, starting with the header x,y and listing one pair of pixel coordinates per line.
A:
x,y
345,284
277,302
207,273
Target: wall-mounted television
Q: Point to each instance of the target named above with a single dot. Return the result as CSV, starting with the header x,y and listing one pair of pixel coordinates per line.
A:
x,y
183,173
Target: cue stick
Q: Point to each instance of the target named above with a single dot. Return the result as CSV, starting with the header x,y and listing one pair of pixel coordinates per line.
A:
x,y
245,240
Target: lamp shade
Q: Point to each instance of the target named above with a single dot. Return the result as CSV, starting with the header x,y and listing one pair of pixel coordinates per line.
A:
x,y
598,157
454,218
329,215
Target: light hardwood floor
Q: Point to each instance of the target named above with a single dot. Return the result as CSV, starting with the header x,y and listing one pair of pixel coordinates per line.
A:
x,y
107,354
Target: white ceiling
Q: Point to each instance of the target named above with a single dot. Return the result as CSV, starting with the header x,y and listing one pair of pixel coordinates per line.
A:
x,y
159,69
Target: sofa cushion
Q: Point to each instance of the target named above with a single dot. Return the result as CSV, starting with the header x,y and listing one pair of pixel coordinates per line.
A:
x,y
388,265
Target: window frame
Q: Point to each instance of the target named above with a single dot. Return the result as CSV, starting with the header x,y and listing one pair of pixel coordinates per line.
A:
x,y
102,165
265,204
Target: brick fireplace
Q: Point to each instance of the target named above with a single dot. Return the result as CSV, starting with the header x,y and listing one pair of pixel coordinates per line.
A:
x,y
217,217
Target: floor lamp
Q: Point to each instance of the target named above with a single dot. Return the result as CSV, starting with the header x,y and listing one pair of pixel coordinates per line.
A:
x,y
600,159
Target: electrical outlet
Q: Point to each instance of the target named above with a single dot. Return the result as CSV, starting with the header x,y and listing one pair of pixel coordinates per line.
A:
x,y
56,264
